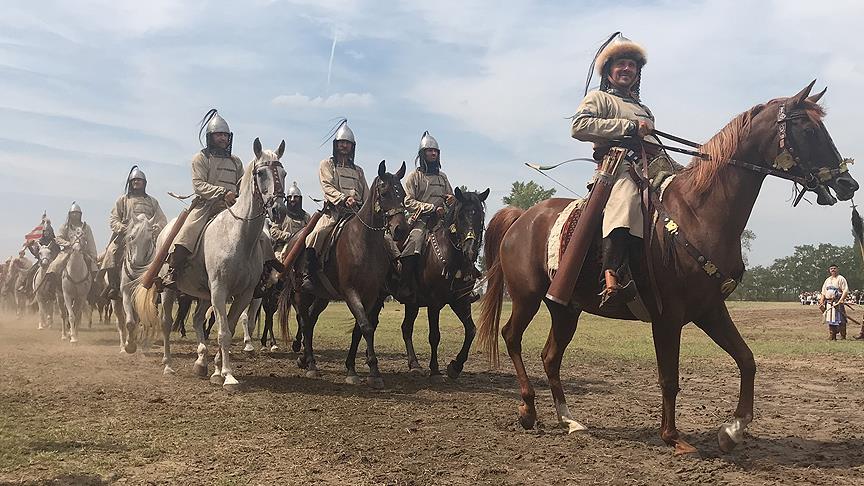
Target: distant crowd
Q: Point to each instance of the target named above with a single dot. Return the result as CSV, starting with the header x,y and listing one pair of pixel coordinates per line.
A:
x,y
812,298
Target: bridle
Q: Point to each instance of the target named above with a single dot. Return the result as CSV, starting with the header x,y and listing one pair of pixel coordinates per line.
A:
x,y
457,240
787,158
278,190
377,210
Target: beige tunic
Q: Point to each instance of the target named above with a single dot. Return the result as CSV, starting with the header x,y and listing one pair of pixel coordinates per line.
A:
x,y
126,209
289,227
65,237
338,183
602,117
212,178
423,194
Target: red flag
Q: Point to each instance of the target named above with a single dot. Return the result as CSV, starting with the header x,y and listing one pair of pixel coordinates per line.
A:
x,y
36,233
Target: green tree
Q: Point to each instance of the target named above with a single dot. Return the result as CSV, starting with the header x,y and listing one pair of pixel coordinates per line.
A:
x,y
747,238
526,194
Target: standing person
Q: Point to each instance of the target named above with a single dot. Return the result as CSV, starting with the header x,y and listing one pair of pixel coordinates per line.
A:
x,y
832,303
126,209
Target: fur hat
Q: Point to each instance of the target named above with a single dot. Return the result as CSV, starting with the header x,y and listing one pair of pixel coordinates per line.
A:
x,y
621,48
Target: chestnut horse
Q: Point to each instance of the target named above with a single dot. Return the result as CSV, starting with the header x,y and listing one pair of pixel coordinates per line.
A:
x,y
710,201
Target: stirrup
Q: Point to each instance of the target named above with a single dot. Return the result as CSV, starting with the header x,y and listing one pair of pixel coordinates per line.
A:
x,y
612,287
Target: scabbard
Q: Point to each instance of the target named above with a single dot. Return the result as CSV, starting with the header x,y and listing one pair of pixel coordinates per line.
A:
x,y
159,259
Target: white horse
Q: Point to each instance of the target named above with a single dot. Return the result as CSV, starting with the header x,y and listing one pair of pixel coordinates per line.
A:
x,y
76,280
46,293
228,264
139,250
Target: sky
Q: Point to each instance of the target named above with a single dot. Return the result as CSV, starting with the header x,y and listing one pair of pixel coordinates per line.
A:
x,y
92,87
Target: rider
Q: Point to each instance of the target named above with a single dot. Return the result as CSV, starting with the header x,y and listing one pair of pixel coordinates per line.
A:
x,y
608,117
216,177
74,228
344,187
295,220
135,202
427,193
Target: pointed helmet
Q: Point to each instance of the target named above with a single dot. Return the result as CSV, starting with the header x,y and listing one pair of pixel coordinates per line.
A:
x,y
427,141
75,208
344,133
294,190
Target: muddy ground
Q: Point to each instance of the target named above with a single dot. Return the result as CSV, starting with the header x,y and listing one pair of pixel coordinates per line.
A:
x,y
86,414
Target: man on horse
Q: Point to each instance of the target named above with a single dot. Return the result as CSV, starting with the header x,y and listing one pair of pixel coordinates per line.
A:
x,y
216,174
427,194
126,209
345,189
832,302
295,220
610,117
46,239
75,228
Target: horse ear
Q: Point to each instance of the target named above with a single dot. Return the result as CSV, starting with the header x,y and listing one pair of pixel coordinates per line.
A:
x,y
458,193
401,172
815,98
804,93
256,148
382,169
280,150
483,195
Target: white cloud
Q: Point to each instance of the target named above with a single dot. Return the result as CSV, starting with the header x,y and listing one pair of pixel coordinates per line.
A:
x,y
336,100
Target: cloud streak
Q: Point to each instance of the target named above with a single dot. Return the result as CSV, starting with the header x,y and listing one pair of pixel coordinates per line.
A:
x,y
336,100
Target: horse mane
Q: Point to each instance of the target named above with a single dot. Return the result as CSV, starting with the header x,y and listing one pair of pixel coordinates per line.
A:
x,y
725,143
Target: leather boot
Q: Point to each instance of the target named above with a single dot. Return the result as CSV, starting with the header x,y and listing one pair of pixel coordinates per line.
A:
x,y
176,262
407,292
112,291
613,249
309,271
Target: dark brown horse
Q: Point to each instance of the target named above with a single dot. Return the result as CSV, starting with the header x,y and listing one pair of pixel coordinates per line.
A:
x,y
451,250
711,202
357,270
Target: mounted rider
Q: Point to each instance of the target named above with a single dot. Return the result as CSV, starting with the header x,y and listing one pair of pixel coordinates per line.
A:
x,y
216,174
75,228
427,194
345,189
614,116
295,220
126,209
45,239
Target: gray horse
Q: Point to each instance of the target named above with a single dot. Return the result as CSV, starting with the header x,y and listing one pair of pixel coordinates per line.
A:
x,y
75,281
227,266
47,293
140,248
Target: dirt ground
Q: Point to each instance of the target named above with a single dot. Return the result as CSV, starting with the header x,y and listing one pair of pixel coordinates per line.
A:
x,y
86,414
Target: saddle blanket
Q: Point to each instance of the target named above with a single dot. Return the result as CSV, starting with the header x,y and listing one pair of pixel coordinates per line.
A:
x,y
561,232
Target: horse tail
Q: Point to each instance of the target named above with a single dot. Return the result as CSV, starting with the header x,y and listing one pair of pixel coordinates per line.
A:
x,y
493,299
284,300
144,304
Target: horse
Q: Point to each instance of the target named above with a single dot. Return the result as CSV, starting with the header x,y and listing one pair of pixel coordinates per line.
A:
x,y
357,271
46,291
707,206
75,281
232,262
452,247
138,252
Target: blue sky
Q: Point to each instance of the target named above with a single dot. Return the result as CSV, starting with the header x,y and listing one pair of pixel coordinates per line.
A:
x,y
91,87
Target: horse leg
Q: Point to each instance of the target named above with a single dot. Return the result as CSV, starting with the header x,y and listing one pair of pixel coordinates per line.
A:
x,y
522,312
221,362
198,318
463,312
434,316
229,321
307,361
350,362
250,322
667,347
719,327
411,312
374,380
169,298
298,338
564,321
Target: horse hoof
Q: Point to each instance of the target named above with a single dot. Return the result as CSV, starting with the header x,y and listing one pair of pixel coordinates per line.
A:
x,y
437,378
683,448
453,370
168,370
249,349
375,382
231,385
353,380
200,370
273,348
73,340
416,370
295,346
726,441
64,338
313,374
301,363
130,348
527,422
217,379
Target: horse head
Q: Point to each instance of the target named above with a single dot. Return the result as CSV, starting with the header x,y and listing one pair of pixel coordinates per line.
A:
x,y
389,199
465,222
44,255
803,147
140,240
269,180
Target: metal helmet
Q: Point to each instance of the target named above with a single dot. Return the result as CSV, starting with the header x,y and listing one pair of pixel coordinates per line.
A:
x,y
428,142
136,173
344,133
294,191
217,124
75,208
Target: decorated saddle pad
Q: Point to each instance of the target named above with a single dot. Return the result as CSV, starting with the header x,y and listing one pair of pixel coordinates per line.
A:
x,y
561,233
